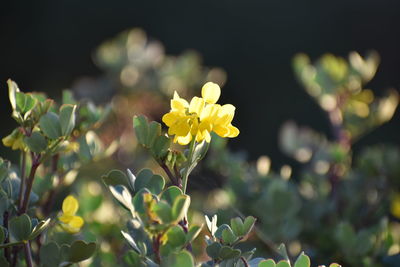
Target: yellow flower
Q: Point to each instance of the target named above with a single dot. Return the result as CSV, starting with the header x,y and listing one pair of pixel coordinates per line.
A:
x,y
199,118
15,140
71,223
395,206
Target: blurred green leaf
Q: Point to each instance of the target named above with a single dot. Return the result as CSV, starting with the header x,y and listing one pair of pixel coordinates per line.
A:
x,y
171,193
228,237
80,250
50,254
302,261
213,250
141,128
132,258
20,227
67,119
36,142
180,207
146,179
228,253
180,259
194,231
50,125
39,228
267,263
163,211
161,146
176,236
117,177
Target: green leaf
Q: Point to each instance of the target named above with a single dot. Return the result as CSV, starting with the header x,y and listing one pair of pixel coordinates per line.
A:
x,y
39,228
132,258
20,227
283,263
237,226
228,237
138,200
122,195
3,234
24,102
163,211
193,232
50,255
154,130
228,253
218,232
176,236
36,142
146,179
117,177
335,265
180,259
213,250
267,263
67,119
81,251
161,146
282,250
248,225
180,207
141,129
302,261
12,90
50,125
170,194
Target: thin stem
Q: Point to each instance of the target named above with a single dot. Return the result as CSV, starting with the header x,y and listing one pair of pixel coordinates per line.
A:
x,y
12,244
187,169
28,254
6,249
173,179
35,165
156,248
21,186
246,264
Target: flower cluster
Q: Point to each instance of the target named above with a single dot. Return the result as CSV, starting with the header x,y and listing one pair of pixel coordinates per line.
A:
x,y
70,222
199,118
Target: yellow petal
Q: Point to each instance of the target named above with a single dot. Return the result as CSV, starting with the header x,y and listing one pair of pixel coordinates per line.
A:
x,y
221,130
65,218
211,92
170,118
181,127
70,205
178,104
184,140
76,222
233,131
210,112
196,105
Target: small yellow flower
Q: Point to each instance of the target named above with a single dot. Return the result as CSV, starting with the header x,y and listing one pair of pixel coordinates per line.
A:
x,y
395,206
199,118
71,223
15,140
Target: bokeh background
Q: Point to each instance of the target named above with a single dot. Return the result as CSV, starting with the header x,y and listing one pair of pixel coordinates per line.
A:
x,y
48,45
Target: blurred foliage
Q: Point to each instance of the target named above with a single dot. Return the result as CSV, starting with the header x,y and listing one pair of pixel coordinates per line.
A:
x,y
339,206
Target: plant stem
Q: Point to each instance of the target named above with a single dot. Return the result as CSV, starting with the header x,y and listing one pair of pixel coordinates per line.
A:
x,y
35,165
246,264
187,169
156,248
6,249
28,254
173,179
21,186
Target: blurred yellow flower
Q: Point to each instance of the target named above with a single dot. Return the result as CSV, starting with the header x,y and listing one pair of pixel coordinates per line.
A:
x,y
395,206
199,118
71,223
15,140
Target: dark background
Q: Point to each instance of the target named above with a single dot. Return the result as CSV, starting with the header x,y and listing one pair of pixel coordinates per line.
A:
x,y
46,45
